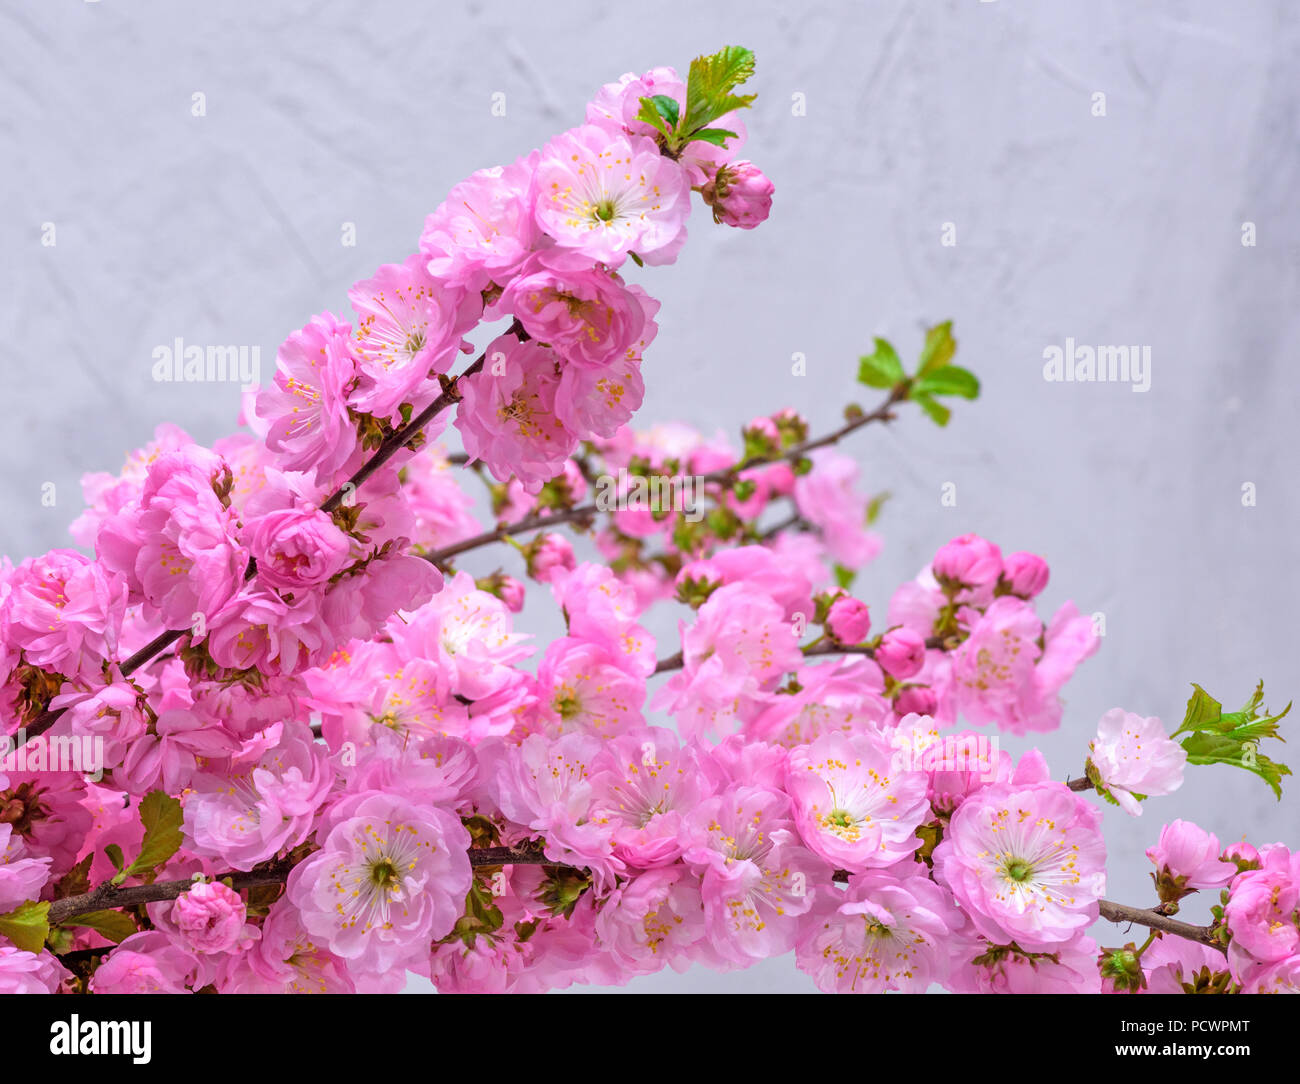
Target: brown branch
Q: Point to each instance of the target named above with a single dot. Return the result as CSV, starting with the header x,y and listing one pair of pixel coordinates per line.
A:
x,y
727,475
1121,913
676,662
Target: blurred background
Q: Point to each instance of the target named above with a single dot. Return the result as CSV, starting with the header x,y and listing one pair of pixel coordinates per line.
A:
x,y
1111,173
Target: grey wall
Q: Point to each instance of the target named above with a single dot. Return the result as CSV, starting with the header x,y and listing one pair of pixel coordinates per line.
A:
x,y
1122,229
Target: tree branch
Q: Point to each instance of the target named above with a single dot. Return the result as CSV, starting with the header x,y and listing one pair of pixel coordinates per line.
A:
x,y
1141,916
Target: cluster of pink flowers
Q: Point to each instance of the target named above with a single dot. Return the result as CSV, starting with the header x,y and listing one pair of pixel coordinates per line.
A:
x,y
372,772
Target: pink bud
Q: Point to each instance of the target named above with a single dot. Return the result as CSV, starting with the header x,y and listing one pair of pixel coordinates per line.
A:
x,y
918,699
512,594
551,555
743,195
209,917
901,654
1025,573
848,620
969,560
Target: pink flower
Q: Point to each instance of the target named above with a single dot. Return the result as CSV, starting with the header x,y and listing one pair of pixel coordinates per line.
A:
x,y
1189,856
30,972
848,620
296,548
209,918
304,410
741,195
1171,961
484,229
1026,860
1025,574
760,569
601,610
605,195
739,646
22,877
507,417
145,963
645,783
841,697
550,554
390,877
545,786
285,960
756,878
1263,911
178,546
828,497
170,756
891,929
582,686
901,653
48,819
589,316
596,402
654,920
968,561
64,612
851,808
249,815
1069,968
409,328
1133,756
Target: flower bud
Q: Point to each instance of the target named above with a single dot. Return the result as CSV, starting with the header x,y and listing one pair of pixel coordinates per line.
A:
x,y
848,620
901,654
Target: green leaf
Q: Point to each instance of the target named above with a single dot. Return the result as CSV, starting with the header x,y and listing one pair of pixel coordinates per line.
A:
x,y
881,369
1218,737
75,881
717,136
27,926
710,83
115,856
114,925
938,349
933,407
161,816
667,108
874,506
844,576
950,380
649,114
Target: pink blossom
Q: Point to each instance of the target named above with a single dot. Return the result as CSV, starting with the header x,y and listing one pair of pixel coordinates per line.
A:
x,y
209,918
1026,860
1069,968
1190,855
644,784
828,497
589,316
605,195
484,229
1263,910
891,929
63,612
46,811
756,877
145,963
841,697
1171,961
296,548
507,417
596,402
603,611
170,756
738,646
850,806
177,546
654,920
30,972
1133,756
409,328
22,877
285,960
390,877
848,620
252,814
759,568
580,685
